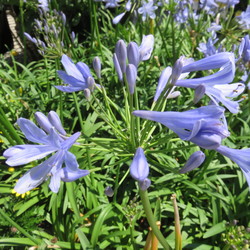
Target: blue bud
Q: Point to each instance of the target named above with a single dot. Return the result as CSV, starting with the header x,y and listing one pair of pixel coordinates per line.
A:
x,y
43,121
97,66
91,83
194,161
133,53
117,67
56,122
139,168
109,191
121,53
131,74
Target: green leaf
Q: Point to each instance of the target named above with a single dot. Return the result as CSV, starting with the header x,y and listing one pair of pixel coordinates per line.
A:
x,y
16,241
98,224
216,229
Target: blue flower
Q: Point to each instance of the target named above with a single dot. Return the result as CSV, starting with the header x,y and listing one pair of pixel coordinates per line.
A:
x,y
75,77
244,18
203,126
216,85
240,156
51,142
244,49
147,9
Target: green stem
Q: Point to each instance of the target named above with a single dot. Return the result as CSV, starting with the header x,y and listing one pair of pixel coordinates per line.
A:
x,y
79,114
14,224
151,219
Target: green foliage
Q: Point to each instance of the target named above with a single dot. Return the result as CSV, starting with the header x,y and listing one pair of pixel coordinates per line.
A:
x,y
80,215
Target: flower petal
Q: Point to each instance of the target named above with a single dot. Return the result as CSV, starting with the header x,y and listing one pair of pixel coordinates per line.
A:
x,y
29,153
68,175
71,68
35,176
31,131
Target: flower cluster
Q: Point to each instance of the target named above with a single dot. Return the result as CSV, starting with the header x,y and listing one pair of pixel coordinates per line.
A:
x,y
52,139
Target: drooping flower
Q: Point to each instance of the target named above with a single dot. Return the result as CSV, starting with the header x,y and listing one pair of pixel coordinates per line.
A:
x,y
203,126
240,156
216,85
50,142
75,77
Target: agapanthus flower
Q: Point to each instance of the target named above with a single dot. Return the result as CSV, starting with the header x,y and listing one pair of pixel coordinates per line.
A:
x,y
204,126
43,4
76,75
244,18
147,9
240,156
244,49
111,3
51,141
216,85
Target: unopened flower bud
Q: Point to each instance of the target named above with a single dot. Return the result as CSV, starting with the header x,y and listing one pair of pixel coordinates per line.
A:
x,y
173,94
63,18
87,93
56,122
165,75
133,53
109,191
131,74
91,83
139,168
97,66
117,67
177,69
145,184
121,53
199,93
43,121
194,161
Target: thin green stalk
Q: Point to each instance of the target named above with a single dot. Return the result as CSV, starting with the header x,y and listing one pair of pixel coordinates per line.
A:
x,y
79,114
116,182
151,220
14,224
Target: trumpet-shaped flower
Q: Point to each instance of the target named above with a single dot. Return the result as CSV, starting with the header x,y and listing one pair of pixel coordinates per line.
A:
x,y
240,156
202,126
216,85
49,143
75,77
